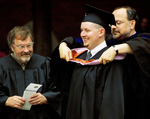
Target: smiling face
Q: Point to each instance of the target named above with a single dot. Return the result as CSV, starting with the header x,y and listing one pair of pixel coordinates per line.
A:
x,y
91,34
124,28
22,49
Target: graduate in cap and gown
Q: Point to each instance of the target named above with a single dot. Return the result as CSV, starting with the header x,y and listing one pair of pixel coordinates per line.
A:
x,y
95,91
136,64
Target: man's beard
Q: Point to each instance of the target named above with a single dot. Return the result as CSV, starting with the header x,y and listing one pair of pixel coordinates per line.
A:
x,y
25,60
25,57
120,36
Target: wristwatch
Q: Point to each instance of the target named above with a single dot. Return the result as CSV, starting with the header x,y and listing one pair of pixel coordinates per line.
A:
x,y
115,48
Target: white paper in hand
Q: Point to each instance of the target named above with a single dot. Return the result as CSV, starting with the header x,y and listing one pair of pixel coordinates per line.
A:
x,y
30,90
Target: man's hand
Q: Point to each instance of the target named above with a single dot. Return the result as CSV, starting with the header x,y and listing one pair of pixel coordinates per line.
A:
x,y
65,52
15,102
110,53
107,56
37,99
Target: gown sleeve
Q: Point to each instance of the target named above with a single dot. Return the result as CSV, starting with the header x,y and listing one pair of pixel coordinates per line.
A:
x,y
113,92
141,50
60,74
3,96
51,93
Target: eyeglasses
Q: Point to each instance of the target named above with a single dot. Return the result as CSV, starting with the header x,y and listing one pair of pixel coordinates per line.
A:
x,y
118,23
22,47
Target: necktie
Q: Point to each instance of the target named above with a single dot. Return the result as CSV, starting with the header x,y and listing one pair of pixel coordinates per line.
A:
x,y
88,55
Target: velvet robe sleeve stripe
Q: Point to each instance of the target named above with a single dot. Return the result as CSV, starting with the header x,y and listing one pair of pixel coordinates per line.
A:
x,y
73,42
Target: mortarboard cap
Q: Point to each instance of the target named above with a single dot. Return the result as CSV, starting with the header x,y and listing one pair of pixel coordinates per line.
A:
x,y
98,16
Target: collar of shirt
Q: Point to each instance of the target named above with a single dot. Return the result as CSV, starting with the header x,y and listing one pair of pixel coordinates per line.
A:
x,y
134,32
98,48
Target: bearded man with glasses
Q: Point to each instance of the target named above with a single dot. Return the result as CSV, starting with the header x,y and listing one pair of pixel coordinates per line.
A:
x,y
125,40
17,71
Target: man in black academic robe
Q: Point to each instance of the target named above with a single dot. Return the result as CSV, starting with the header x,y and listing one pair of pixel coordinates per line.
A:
x,y
137,64
95,91
137,67
17,71
37,71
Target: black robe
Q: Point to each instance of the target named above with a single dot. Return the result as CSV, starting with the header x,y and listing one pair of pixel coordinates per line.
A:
x,y
14,80
138,85
96,92
137,69
138,72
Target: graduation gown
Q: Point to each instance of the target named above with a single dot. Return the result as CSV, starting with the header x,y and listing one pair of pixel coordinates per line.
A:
x,y
14,80
140,72
137,69
96,92
140,45
61,72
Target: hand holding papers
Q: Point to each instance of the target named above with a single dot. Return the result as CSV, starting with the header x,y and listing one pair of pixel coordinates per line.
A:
x,y
30,90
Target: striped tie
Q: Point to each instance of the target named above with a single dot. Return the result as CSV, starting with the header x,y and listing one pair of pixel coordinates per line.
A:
x,y
88,55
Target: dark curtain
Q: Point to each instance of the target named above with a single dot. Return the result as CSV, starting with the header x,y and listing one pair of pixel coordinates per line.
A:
x,y
42,27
